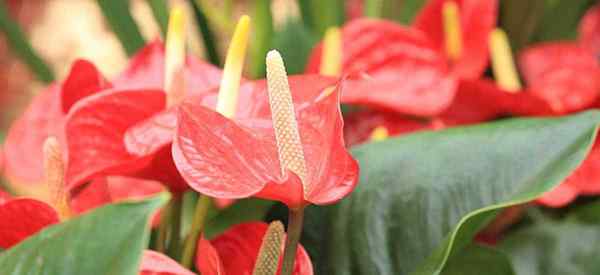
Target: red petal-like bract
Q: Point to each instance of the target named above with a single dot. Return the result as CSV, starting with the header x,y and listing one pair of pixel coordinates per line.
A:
x,y
146,71
96,126
83,80
154,263
112,189
589,30
21,218
358,126
235,252
43,118
584,181
392,67
477,20
564,74
226,158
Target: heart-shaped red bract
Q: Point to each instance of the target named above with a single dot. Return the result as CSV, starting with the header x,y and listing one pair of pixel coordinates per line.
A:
x,y
128,130
391,67
23,217
235,252
238,158
359,126
154,263
477,20
45,117
589,30
564,74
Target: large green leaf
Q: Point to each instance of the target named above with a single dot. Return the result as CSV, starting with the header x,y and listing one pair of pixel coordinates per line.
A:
x,y
108,240
477,260
551,247
422,197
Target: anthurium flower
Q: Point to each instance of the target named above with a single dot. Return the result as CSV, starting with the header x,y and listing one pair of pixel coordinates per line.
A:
x,y
391,67
589,30
236,251
128,130
459,29
155,263
236,158
45,117
22,217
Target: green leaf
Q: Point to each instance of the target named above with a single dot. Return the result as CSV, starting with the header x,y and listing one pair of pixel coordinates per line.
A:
x,y
20,45
207,35
295,42
107,240
118,16
551,247
262,37
422,197
520,19
160,11
408,10
477,260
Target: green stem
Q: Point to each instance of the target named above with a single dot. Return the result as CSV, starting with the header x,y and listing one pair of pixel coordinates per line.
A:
x,y
160,11
163,227
206,33
295,220
202,207
175,231
373,8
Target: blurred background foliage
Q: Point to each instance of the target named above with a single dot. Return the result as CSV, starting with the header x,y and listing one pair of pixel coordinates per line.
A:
x,y
44,39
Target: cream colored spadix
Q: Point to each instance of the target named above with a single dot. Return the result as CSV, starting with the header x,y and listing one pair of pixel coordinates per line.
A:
x,y
452,29
331,57
175,57
503,64
269,253
232,71
287,135
54,172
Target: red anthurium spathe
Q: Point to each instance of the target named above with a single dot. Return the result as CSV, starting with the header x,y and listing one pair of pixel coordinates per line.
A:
x,y
237,158
155,263
391,67
45,117
476,19
128,130
589,30
23,217
235,252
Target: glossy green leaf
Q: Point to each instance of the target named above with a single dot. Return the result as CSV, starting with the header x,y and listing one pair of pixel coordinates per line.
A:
x,y
478,260
20,45
552,247
160,11
107,240
118,16
295,42
422,197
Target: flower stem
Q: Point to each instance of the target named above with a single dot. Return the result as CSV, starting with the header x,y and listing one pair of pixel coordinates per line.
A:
x,y
189,248
174,242
295,220
165,219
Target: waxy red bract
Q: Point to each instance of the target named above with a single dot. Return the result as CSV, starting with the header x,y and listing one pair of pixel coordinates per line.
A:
x,y
391,67
238,158
477,20
154,263
235,252
128,130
